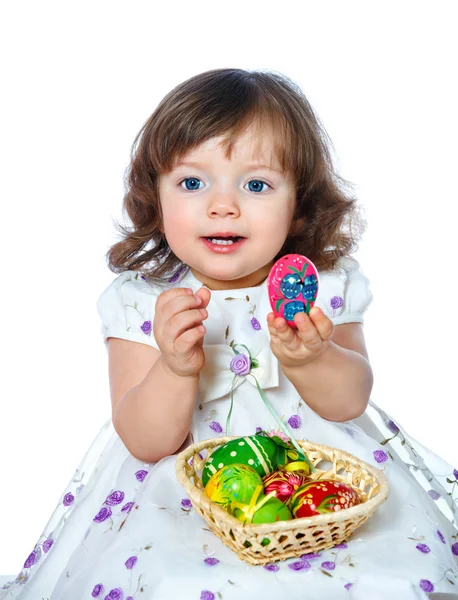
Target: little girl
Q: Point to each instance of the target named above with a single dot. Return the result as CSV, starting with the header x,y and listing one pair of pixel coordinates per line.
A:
x,y
231,172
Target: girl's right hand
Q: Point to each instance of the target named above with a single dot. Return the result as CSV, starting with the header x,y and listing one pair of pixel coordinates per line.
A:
x,y
177,319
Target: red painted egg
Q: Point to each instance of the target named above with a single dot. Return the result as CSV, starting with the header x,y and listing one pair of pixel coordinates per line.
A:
x,y
321,497
284,483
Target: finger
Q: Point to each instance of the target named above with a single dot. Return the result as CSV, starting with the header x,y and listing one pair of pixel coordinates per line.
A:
x,y
168,295
323,324
189,338
178,304
285,333
306,330
184,321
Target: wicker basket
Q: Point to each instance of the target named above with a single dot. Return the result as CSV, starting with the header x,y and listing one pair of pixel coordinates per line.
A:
x,y
287,538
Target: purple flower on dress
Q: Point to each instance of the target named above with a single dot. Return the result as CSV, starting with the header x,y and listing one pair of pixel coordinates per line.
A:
x,y
311,556
423,548
103,514
143,277
336,302
130,562
341,546
216,426
98,589
441,537
127,507
434,495
146,327
258,429
240,364
272,567
455,549
47,545
380,456
299,565
31,560
328,565
186,503
140,475
130,598
68,499
347,586
455,474
255,324
115,594
426,585
206,595
115,498
211,562
392,426
294,421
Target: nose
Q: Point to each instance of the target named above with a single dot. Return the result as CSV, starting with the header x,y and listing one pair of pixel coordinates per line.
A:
x,y
223,205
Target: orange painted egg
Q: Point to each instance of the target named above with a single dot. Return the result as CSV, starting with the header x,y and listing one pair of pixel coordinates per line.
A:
x,y
284,483
321,497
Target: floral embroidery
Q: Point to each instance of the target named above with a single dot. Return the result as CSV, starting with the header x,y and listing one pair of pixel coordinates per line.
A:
x,y
434,495
441,537
423,548
186,503
299,565
216,427
336,302
426,585
328,565
98,589
294,421
211,561
140,475
272,567
127,507
146,327
68,499
206,595
130,562
103,514
115,498
47,545
380,456
32,559
455,549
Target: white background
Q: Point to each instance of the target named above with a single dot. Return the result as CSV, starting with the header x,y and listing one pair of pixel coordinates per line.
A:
x,y
80,79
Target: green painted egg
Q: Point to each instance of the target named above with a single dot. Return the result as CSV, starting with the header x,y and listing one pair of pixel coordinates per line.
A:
x,y
256,451
233,483
272,511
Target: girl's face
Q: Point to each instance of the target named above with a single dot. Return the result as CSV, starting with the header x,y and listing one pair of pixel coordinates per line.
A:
x,y
207,196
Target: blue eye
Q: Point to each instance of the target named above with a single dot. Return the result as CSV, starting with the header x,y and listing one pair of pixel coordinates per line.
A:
x,y
193,180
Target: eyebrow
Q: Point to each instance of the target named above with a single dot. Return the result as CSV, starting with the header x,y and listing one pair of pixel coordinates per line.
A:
x,y
254,165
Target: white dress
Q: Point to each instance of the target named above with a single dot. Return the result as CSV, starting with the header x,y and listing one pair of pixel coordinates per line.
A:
x,y
125,530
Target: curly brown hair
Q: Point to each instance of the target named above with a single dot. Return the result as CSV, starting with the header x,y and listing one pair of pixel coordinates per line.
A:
x,y
225,102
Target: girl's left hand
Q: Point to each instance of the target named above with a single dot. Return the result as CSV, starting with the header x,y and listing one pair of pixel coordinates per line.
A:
x,y
298,347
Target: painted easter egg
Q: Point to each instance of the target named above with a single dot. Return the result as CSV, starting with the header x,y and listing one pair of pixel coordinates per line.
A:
x,y
233,483
284,483
293,286
257,451
271,511
321,497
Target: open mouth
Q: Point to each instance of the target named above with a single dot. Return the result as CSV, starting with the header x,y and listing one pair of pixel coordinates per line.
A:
x,y
224,241
223,244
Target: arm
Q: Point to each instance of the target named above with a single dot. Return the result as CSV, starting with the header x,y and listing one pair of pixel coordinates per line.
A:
x,y
151,406
337,384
